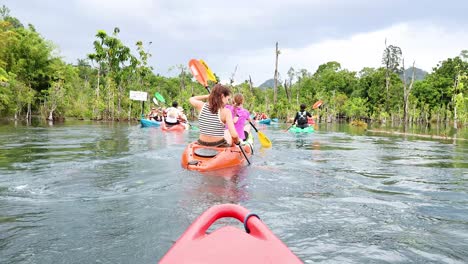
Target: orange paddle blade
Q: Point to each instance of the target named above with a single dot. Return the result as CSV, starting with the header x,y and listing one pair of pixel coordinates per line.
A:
x,y
199,71
317,104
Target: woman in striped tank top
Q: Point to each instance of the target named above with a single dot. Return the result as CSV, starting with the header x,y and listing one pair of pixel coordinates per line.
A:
x,y
214,117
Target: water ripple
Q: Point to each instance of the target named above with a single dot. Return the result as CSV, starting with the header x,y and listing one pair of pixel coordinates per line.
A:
x,y
335,196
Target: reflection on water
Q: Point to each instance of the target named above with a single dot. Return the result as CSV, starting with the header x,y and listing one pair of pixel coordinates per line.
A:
x,y
211,190
114,192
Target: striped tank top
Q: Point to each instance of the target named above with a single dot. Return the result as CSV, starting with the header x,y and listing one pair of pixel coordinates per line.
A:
x,y
210,124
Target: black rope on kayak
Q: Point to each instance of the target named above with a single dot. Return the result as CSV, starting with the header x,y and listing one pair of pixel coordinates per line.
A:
x,y
247,219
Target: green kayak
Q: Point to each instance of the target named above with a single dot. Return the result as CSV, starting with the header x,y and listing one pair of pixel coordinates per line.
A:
x,y
295,129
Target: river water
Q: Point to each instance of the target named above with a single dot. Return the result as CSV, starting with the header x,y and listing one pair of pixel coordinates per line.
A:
x,y
89,192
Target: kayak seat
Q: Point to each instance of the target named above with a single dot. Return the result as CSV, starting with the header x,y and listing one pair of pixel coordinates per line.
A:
x,y
205,152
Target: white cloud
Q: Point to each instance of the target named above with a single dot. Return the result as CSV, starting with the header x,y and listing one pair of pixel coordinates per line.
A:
x,y
117,8
423,42
226,34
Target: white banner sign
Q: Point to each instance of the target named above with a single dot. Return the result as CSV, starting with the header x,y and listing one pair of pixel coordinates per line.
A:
x,y
138,96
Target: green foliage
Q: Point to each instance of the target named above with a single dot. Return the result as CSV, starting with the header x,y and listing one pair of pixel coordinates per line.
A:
x,y
5,93
98,86
356,108
391,58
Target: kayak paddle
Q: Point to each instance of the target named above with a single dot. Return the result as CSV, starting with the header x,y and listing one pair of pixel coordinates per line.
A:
x,y
199,72
317,104
289,127
243,152
209,73
264,140
159,97
193,127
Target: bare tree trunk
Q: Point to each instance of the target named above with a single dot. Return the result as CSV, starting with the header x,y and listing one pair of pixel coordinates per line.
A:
x,y
97,92
297,96
28,114
455,116
182,79
111,104
387,84
275,88
286,89
108,100
119,102
130,110
232,77
387,78
51,115
406,92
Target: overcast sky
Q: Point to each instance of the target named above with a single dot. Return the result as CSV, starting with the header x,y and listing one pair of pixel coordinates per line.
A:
x,y
243,33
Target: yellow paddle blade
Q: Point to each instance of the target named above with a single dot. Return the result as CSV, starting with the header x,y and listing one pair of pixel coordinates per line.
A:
x,y
209,73
266,143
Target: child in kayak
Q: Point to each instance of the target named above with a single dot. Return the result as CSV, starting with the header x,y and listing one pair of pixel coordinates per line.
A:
x,y
301,117
239,116
214,117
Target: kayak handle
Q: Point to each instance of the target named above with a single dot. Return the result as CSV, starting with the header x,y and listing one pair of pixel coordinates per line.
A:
x,y
204,221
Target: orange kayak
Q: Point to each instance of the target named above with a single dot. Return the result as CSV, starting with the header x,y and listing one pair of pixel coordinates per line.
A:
x,y
229,244
202,158
178,127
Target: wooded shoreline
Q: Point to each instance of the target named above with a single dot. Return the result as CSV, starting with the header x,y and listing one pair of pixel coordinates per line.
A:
x,y
35,81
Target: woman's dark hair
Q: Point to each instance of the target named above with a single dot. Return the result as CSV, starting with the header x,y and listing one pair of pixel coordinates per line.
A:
x,y
215,100
175,104
303,107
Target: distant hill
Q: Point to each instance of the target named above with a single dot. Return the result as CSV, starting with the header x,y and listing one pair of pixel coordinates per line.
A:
x,y
418,74
270,83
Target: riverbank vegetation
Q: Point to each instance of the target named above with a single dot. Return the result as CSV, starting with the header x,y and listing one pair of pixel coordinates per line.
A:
x,y
35,80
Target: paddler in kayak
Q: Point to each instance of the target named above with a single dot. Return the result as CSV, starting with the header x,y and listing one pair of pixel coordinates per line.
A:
x,y
239,116
300,119
214,117
153,114
172,115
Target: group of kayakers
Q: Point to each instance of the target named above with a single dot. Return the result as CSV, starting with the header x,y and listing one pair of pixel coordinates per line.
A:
x,y
260,116
171,116
221,123
224,124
